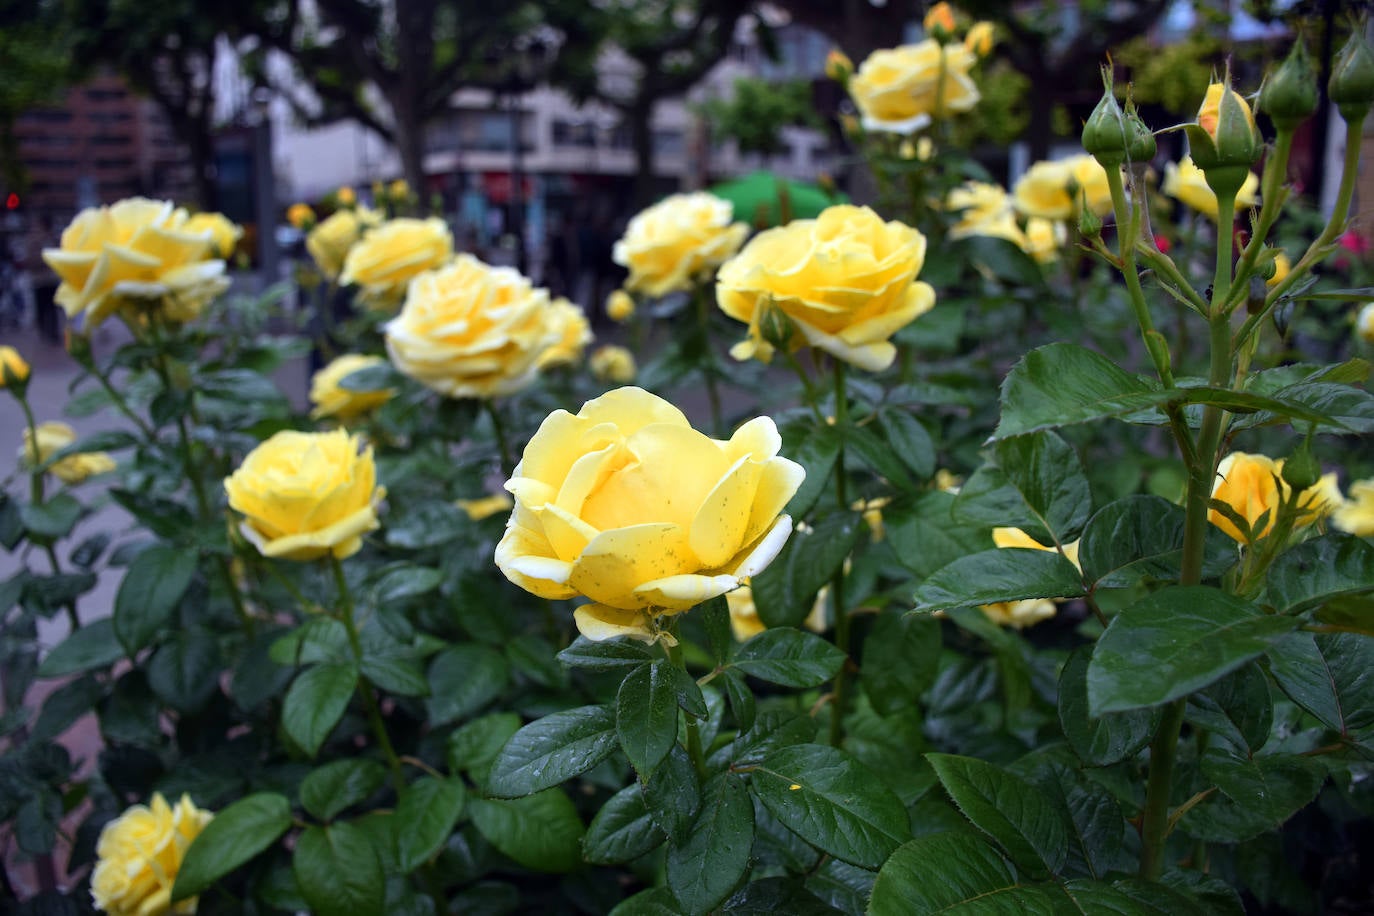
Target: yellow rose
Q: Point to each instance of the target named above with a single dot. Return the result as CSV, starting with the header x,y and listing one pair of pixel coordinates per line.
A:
x,y
980,38
386,259
1281,268
485,507
678,241
473,331
620,306
627,505
52,438
613,364
139,854
331,399
1015,537
305,495
1020,614
939,18
1054,190
13,367
838,66
224,234
300,215
1364,323
1209,114
846,282
571,332
744,616
138,250
1043,239
1356,515
983,208
398,189
346,196
1253,486
1185,182
330,241
899,90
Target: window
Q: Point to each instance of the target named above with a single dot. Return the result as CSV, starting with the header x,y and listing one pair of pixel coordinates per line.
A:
x,y
668,142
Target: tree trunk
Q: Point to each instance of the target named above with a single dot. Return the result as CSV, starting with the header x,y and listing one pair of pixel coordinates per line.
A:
x,y
640,117
410,145
200,146
1040,129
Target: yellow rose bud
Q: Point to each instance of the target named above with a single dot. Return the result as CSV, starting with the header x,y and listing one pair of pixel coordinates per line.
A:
x,y
135,251
568,327
947,481
613,364
398,189
306,495
939,20
1186,183
1281,268
626,504
331,399
1252,485
846,280
907,150
675,243
1227,121
346,196
486,507
1356,516
620,306
139,855
980,38
1020,614
52,438
838,66
900,90
331,240
224,234
474,331
300,216
1364,323
386,259
14,370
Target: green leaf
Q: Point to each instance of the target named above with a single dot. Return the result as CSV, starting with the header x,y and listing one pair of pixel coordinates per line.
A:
x,y
1007,261
740,697
1174,642
877,454
927,536
782,655
716,615
815,448
1236,708
619,654
672,793
1001,574
1102,740
149,593
1063,384
646,715
371,378
910,441
1141,537
555,748
706,864
942,873
184,671
404,582
1331,676
338,871
1315,571
1036,483
1008,809
1322,402
333,787
474,746
237,834
319,639
901,657
54,518
833,802
64,706
1270,788
463,679
315,703
92,646
425,816
622,831
395,674
785,592
108,440
541,831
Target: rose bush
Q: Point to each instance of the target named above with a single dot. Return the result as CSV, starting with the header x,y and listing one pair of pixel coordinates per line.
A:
x,y
625,504
845,282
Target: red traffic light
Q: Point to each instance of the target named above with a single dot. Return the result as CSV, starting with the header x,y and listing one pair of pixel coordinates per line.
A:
x,y
12,201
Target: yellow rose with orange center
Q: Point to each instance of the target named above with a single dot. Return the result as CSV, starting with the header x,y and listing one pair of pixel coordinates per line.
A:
x,y
307,495
677,242
139,855
627,505
845,283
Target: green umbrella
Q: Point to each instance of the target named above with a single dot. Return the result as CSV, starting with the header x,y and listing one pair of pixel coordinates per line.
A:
x,y
765,199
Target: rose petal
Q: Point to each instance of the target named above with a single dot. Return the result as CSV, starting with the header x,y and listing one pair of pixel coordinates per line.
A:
x,y
598,622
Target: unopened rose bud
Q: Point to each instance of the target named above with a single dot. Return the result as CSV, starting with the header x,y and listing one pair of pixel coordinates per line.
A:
x,y
1089,223
1352,78
1301,470
1140,140
776,327
939,22
980,38
838,66
1289,96
1227,136
1104,133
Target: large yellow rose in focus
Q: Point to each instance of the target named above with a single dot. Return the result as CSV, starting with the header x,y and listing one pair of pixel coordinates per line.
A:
x,y
386,259
1185,182
1053,190
305,495
627,505
331,240
900,90
1253,486
138,250
474,331
139,854
677,241
331,399
845,281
